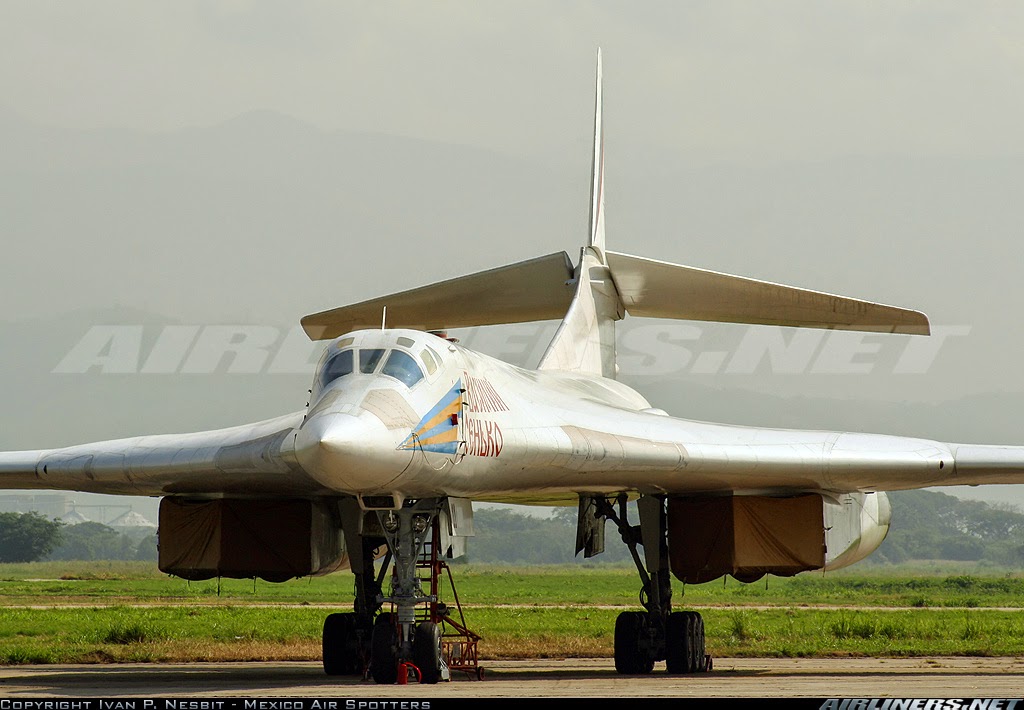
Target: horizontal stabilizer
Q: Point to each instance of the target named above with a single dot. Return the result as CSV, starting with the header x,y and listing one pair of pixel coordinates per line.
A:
x,y
657,289
537,289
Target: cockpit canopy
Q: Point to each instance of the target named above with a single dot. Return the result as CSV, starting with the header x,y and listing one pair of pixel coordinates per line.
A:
x,y
343,357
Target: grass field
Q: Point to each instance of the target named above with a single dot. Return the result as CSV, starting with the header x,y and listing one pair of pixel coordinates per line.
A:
x,y
95,612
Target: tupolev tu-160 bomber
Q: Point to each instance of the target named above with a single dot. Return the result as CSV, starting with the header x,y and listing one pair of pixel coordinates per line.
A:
x,y
405,429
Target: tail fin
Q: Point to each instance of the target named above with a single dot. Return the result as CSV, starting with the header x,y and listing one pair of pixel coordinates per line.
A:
x,y
597,168
602,288
585,341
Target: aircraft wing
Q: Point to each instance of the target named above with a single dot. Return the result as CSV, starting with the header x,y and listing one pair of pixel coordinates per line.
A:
x,y
978,464
251,460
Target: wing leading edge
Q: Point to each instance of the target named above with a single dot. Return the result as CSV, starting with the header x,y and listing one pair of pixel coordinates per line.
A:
x,y
250,460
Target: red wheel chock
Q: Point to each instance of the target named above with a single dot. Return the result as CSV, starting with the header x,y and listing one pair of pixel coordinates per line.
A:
x,y
403,673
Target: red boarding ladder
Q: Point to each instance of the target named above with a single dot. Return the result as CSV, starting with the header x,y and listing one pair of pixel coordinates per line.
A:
x,y
458,643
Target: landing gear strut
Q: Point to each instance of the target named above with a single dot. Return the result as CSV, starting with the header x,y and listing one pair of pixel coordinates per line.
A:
x,y
658,633
400,636
421,634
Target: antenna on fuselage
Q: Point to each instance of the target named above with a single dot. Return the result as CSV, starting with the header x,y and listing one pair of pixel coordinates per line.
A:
x,y
384,318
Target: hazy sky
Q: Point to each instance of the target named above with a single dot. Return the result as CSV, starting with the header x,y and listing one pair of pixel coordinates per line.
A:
x,y
742,85
867,148
718,97
242,162
714,80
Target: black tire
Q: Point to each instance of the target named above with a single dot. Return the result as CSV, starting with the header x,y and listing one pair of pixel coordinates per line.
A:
x,y
699,663
426,652
346,644
684,643
384,650
677,644
632,657
338,657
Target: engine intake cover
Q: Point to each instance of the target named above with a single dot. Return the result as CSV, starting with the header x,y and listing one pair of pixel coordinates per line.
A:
x,y
274,540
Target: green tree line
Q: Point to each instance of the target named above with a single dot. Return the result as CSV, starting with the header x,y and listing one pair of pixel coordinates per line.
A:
x,y
28,537
929,525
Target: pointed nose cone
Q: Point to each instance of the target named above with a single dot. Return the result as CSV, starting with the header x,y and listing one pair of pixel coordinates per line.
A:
x,y
330,434
347,453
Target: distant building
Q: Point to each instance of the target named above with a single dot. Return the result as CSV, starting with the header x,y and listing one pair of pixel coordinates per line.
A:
x,y
73,517
133,525
71,511
131,519
51,505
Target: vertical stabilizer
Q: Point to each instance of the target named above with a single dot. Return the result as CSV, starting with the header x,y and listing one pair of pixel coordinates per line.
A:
x,y
597,168
585,341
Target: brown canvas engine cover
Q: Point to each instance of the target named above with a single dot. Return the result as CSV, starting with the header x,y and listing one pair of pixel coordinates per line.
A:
x,y
274,540
745,536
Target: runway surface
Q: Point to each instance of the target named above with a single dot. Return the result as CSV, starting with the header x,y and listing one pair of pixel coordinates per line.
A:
x,y
731,677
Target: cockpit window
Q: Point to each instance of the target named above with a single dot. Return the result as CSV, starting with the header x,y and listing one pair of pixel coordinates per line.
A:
x,y
337,365
368,360
402,367
429,361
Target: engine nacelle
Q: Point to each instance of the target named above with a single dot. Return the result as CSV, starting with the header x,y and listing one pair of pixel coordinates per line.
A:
x,y
751,536
855,525
275,540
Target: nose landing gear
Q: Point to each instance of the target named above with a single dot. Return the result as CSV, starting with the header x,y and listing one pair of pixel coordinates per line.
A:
x,y
419,632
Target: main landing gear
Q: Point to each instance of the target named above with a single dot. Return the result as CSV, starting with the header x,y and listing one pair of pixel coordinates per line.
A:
x,y
347,637
418,638
657,633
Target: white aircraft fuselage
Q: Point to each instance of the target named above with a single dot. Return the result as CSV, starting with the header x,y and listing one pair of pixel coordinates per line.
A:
x,y
538,437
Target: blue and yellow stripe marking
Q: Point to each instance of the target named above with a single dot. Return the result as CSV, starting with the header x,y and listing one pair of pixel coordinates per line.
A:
x,y
436,431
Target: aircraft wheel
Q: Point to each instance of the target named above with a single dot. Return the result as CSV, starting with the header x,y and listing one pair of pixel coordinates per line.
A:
x,y
684,643
340,648
345,644
426,652
384,649
677,646
632,655
700,663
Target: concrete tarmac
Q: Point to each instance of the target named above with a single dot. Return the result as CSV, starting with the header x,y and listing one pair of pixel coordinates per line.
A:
x,y
938,677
